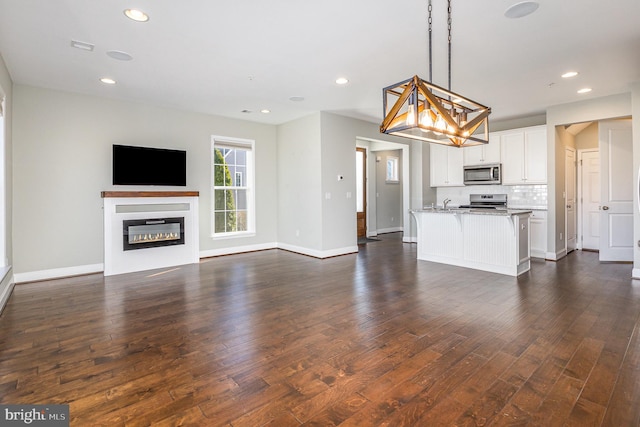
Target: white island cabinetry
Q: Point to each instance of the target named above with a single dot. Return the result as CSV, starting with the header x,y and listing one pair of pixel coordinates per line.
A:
x,y
496,242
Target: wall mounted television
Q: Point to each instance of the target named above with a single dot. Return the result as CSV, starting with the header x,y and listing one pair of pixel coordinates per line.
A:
x,y
149,166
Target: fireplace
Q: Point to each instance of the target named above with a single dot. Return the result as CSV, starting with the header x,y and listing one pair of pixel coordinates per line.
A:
x,y
152,233
145,220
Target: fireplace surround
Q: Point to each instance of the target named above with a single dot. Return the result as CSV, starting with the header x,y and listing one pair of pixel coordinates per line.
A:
x,y
146,230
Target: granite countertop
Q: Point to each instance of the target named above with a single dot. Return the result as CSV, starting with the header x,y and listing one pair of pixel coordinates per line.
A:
x,y
468,211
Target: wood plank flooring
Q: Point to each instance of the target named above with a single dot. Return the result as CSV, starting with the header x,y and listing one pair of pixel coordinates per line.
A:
x,y
370,339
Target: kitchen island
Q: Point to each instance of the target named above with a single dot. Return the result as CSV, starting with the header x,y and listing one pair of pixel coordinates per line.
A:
x,y
484,239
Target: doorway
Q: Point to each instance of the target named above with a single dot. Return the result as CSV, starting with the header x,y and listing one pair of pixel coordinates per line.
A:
x,y
361,192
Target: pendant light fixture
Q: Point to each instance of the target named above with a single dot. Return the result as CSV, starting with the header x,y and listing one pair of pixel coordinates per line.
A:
x,y
418,109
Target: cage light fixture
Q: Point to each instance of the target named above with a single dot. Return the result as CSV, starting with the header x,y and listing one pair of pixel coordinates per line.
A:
x,y
418,109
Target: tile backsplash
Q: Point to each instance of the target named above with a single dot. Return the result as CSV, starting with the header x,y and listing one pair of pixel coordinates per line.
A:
x,y
518,196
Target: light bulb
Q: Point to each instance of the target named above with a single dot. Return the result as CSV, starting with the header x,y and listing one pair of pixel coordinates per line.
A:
x,y
411,115
440,124
425,118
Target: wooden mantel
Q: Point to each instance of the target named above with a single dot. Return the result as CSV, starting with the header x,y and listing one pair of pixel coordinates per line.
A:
x,y
105,194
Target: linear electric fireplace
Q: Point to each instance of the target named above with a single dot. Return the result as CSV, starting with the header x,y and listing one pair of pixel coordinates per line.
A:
x,y
152,233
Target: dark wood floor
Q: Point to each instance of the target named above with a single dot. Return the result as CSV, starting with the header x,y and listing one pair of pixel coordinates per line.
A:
x,y
373,339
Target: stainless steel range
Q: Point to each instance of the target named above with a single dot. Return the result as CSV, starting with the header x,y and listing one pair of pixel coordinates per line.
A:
x,y
486,201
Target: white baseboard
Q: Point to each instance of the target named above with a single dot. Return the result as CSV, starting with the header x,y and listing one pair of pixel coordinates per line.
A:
x,y
410,239
55,273
237,250
555,256
58,272
318,254
389,230
635,273
6,287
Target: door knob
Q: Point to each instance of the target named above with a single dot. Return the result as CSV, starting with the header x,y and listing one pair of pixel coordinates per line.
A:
x,y
605,208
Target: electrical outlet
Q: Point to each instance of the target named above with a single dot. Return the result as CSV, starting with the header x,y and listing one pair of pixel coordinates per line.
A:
x,y
560,236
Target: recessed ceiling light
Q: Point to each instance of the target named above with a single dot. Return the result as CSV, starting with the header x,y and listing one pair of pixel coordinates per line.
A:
x,y
82,45
585,90
119,55
246,111
521,9
265,111
136,15
342,80
569,74
296,98
108,81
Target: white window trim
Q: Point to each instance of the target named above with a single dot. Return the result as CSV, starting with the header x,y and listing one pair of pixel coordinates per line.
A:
x,y
250,181
396,172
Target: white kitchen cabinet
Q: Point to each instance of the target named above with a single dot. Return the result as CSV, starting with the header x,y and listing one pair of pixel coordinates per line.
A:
x,y
538,227
446,166
483,154
524,156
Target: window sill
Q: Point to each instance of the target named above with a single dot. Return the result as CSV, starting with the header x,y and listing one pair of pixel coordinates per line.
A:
x,y
226,236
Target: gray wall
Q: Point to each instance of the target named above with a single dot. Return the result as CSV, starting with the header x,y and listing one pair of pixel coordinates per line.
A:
x,y
299,190
6,90
388,195
588,138
62,161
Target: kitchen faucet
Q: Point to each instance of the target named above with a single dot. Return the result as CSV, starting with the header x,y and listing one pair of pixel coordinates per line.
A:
x,y
445,202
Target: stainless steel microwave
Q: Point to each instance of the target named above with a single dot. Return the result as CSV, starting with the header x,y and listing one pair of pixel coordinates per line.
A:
x,y
483,174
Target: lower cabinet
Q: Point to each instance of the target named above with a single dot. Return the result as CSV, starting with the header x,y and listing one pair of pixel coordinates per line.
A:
x,y
538,233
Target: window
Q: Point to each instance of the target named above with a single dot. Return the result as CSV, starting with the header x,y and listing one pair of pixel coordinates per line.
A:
x,y
392,169
3,193
233,196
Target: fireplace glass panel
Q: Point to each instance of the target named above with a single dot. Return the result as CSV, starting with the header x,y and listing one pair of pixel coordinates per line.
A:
x,y
148,233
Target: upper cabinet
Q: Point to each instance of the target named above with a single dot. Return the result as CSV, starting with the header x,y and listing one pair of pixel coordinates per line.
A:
x,y
483,154
524,156
446,166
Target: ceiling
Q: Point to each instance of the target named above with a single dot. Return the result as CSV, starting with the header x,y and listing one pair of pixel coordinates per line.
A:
x,y
223,57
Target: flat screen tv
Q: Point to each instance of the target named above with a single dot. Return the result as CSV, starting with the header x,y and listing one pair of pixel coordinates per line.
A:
x,y
149,166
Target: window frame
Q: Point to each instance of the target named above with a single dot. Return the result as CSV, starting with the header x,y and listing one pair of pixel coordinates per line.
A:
x,y
395,169
249,176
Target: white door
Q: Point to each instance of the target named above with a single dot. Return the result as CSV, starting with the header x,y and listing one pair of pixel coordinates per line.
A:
x,y
589,200
616,186
570,192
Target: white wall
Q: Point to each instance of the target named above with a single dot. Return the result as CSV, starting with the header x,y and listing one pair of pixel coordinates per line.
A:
x,y
6,90
62,161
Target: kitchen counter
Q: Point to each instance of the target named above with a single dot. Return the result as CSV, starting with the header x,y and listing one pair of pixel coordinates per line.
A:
x,y
494,212
484,239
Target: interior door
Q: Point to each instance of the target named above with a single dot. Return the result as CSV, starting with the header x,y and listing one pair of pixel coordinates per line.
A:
x,y
590,200
361,193
616,186
570,192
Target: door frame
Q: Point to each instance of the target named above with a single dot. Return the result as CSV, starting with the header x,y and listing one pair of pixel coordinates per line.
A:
x,y
373,145
580,195
365,183
566,201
